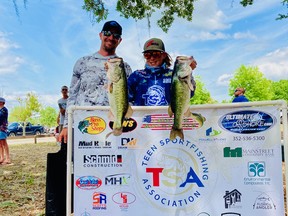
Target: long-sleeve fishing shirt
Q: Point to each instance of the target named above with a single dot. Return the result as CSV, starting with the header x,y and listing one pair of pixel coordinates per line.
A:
x,y
89,82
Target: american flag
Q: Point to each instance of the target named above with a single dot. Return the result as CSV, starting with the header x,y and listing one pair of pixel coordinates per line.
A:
x,y
165,122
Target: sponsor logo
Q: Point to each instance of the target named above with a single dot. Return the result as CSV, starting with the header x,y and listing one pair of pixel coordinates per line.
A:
x,y
124,199
228,152
212,132
93,144
231,199
257,174
106,160
128,125
88,182
258,152
230,214
264,202
247,122
169,181
128,143
99,201
92,125
88,144
211,136
118,179
165,122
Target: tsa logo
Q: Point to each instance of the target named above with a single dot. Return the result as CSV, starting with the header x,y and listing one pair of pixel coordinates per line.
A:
x,y
247,122
169,181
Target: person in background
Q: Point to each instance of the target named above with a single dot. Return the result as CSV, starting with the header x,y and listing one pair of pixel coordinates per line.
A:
x,y
239,95
4,149
151,86
62,103
89,80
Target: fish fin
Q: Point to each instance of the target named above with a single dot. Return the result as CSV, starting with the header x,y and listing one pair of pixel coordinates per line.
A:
x,y
170,112
191,87
129,112
198,117
187,113
110,88
111,116
176,132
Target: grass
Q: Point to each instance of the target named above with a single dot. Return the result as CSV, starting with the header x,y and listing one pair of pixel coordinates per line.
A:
x,y
23,182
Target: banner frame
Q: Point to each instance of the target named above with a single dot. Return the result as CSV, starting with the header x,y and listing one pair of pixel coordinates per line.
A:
x,y
281,103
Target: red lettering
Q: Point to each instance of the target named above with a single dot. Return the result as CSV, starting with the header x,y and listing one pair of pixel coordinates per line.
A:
x,y
156,175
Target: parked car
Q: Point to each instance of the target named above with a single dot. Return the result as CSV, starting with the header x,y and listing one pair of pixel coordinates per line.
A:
x,y
16,129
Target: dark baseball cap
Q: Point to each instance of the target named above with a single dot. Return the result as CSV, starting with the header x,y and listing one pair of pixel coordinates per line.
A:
x,y
112,25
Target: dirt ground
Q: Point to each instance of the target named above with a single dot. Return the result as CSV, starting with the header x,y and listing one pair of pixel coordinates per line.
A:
x,y
23,182
22,188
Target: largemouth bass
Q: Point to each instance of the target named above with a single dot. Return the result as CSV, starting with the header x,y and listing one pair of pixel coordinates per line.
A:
x,y
117,94
181,88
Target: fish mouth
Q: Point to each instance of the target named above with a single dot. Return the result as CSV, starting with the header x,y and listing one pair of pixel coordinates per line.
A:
x,y
112,60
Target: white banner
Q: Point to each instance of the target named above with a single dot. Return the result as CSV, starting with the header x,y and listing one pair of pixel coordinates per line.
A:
x,y
229,163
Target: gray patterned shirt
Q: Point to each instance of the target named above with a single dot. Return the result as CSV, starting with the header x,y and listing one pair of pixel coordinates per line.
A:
x,y
89,82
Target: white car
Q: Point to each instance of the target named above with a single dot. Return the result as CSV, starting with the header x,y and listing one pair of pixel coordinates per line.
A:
x,y
52,130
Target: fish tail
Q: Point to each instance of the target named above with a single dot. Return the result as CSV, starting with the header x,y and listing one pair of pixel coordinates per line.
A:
x,y
176,132
117,131
108,135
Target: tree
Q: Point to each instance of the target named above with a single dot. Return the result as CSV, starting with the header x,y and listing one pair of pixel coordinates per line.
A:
x,y
27,108
258,88
245,3
139,10
202,95
48,116
280,90
144,9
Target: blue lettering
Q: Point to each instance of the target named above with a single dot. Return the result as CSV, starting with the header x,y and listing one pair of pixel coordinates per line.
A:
x,y
192,178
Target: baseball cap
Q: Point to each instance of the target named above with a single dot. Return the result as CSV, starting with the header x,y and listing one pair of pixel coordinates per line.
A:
x,y
2,99
154,44
112,25
64,87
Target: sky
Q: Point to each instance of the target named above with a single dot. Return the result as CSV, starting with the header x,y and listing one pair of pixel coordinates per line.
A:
x,y
39,48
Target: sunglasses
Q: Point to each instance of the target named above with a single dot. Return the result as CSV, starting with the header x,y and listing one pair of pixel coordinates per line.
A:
x,y
236,90
64,89
148,55
109,33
